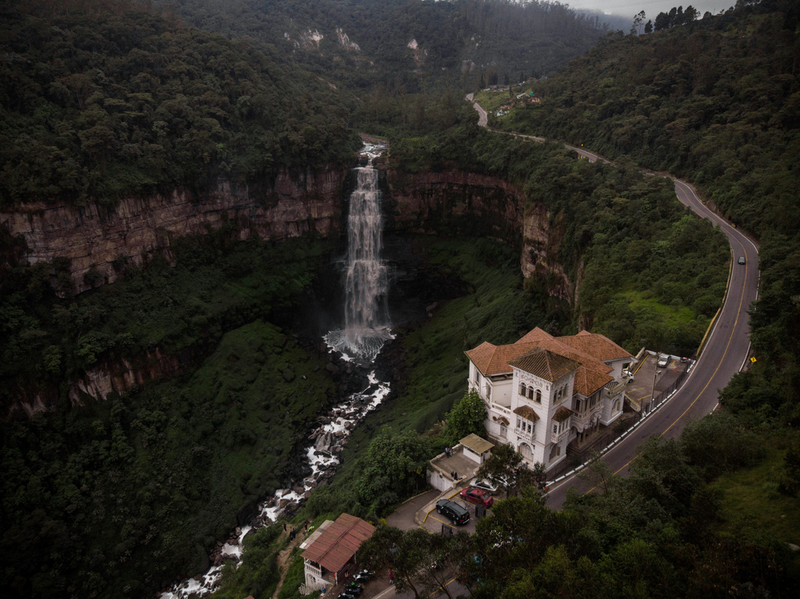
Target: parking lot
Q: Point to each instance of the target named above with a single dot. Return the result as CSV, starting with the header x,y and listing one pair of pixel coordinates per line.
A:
x,y
647,377
420,511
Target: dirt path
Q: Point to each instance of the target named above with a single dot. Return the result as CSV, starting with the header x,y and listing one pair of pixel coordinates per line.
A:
x,y
283,557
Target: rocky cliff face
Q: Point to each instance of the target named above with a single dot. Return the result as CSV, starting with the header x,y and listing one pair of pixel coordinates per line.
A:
x,y
446,203
454,202
93,237
539,261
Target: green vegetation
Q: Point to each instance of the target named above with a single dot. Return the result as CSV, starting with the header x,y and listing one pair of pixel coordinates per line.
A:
x,y
156,476
698,101
660,532
126,494
259,574
100,104
218,284
462,42
466,417
650,272
753,504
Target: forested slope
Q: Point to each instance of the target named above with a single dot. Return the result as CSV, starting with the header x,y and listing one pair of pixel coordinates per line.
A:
x,y
716,101
115,100
457,41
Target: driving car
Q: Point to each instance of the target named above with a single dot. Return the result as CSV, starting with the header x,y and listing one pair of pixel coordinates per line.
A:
x,y
457,514
486,485
663,360
477,496
742,260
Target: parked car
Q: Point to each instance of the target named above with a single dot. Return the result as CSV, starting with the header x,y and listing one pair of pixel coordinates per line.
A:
x,y
486,485
457,514
663,360
627,376
742,260
477,496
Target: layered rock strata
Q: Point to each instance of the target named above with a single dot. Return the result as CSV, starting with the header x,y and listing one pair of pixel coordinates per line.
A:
x,y
93,236
459,203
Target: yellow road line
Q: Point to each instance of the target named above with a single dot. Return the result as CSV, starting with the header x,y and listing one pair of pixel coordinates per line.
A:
x,y
719,365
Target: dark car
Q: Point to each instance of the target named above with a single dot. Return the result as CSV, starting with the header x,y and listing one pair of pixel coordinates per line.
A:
x,y
477,496
458,514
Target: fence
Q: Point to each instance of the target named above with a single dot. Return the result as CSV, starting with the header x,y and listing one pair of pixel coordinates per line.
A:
x,y
577,461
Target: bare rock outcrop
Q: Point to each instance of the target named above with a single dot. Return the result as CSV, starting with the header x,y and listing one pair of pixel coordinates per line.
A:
x,y
95,236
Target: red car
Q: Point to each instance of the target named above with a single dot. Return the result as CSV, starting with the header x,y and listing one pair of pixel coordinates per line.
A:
x,y
477,496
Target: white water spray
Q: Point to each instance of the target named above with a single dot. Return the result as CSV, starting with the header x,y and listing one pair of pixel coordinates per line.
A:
x,y
365,316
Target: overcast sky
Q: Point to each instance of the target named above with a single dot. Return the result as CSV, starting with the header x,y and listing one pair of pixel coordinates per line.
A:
x,y
650,7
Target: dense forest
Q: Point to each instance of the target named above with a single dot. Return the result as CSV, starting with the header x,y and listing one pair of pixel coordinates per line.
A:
x,y
715,101
119,497
457,41
107,103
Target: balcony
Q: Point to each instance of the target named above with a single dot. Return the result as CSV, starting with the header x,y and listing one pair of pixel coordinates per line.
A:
x,y
525,435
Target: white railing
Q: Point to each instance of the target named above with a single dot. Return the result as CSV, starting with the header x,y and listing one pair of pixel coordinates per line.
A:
x,y
524,435
499,408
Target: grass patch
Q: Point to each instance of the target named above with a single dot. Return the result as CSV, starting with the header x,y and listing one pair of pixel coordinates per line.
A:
x,y
752,505
668,315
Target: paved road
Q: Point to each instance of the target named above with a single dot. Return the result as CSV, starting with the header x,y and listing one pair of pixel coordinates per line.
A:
x,y
725,352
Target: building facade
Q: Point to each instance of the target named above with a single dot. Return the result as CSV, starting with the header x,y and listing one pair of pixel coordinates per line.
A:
x,y
544,393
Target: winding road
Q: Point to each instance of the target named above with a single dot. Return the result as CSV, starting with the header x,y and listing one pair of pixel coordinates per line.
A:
x,y
725,353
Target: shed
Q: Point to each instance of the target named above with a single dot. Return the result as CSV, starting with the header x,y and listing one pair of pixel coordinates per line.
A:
x,y
333,551
476,448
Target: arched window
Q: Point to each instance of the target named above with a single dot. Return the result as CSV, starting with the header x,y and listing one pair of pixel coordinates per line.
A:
x,y
538,396
522,389
530,392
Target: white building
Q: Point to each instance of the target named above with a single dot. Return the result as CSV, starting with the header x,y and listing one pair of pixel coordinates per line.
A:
x,y
543,392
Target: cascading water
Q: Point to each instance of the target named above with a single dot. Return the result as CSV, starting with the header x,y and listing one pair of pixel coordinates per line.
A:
x,y
365,318
366,330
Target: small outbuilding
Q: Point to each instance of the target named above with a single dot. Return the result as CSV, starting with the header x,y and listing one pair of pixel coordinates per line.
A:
x,y
476,448
330,552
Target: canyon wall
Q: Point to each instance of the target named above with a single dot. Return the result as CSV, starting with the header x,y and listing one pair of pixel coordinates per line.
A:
x,y
459,203
94,236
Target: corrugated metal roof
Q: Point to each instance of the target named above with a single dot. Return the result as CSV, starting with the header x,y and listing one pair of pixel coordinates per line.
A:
x,y
339,542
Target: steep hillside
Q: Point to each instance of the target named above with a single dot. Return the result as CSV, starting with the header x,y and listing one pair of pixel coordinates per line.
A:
x,y
117,102
404,43
716,101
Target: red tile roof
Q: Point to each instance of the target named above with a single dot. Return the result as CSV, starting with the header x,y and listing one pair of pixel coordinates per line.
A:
x,y
339,542
594,344
527,413
591,350
545,364
562,414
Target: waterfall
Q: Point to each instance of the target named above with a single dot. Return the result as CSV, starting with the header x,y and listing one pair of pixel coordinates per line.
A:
x,y
366,325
